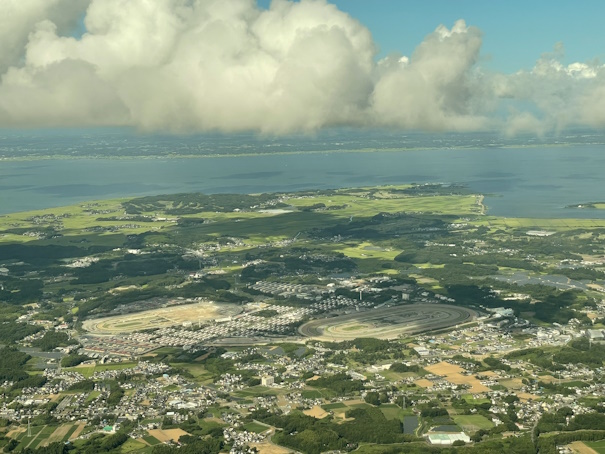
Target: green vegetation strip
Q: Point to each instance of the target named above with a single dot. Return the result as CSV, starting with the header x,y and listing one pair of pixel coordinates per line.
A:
x,y
70,432
152,440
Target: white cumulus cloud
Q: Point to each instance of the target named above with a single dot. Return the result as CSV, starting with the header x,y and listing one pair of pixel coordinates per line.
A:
x,y
227,65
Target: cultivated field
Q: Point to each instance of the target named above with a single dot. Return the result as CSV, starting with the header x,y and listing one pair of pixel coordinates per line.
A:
x,y
316,412
454,374
159,318
388,322
167,434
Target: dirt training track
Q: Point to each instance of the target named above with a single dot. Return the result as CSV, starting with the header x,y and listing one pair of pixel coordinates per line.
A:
x,y
387,322
160,318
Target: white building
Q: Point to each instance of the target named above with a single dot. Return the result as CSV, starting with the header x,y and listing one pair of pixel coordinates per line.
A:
x,y
448,439
267,380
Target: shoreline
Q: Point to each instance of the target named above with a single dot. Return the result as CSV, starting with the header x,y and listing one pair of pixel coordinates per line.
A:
x,y
281,153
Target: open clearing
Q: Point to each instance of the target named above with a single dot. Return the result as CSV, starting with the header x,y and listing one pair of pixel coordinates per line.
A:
x,y
159,318
473,422
270,448
581,448
167,434
454,374
317,412
388,322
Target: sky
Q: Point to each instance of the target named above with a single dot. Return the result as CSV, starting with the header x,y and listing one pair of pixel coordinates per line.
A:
x,y
278,67
515,32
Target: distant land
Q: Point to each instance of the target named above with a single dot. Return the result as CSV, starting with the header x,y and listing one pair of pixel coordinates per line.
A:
x,y
126,143
520,177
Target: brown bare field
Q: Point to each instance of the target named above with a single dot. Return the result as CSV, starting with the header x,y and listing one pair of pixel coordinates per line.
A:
x,y
490,373
424,383
167,435
270,448
348,403
214,419
453,374
15,432
57,435
444,368
282,401
581,448
78,431
524,397
317,412
547,378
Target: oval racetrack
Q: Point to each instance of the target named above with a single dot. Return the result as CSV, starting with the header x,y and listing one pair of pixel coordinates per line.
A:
x,y
387,322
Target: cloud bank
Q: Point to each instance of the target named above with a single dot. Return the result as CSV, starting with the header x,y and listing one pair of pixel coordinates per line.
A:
x,y
226,65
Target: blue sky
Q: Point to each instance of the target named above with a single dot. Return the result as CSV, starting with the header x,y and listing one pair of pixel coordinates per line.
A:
x,y
515,32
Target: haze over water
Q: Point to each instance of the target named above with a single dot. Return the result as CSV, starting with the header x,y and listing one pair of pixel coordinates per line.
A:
x,y
518,182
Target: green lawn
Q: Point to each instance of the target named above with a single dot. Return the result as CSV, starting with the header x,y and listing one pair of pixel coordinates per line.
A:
x,y
92,396
152,440
311,394
134,446
42,435
360,406
334,406
471,400
391,411
25,441
255,427
473,422
598,446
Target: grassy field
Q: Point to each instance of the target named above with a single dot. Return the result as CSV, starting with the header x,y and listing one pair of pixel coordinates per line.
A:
x,y
598,446
89,370
152,441
92,396
391,411
333,406
255,427
311,394
256,391
75,220
557,225
25,441
473,422
135,446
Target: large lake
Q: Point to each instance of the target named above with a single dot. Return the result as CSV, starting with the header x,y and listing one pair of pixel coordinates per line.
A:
x,y
521,182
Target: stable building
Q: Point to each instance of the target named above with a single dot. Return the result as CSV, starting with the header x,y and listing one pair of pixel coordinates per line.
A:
x,y
448,439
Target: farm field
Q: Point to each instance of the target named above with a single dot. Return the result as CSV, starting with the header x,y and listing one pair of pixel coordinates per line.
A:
x,y
473,422
454,374
588,447
167,434
44,435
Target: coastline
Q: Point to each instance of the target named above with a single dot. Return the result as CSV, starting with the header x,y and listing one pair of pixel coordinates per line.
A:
x,y
283,153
